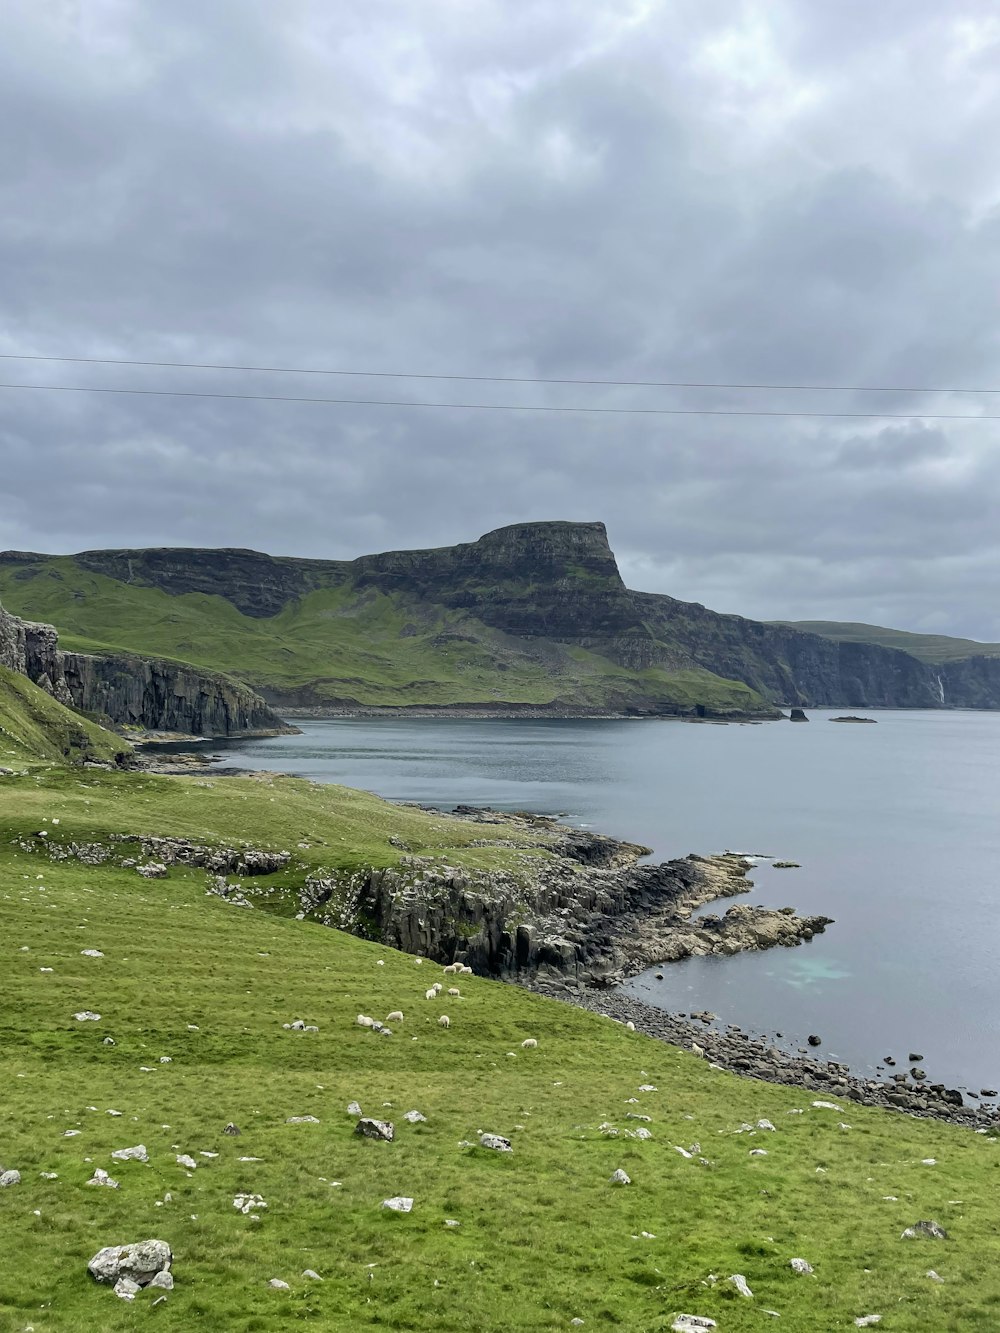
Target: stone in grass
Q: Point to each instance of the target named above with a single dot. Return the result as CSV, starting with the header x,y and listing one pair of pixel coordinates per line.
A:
x,y
867,1320
183,1159
311,1274
691,1323
740,1283
619,1177
9,1178
277,1284
800,1266
925,1230
163,1280
231,1129
399,1204
354,1108
495,1142
136,1154
101,1177
126,1289
369,1128
91,953
248,1203
301,1120
415,1118
140,1261
87,1016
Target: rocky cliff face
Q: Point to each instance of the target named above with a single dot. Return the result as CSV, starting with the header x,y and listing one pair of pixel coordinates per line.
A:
x,y
134,691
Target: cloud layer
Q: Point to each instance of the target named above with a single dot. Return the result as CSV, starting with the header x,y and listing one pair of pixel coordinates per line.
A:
x,y
771,192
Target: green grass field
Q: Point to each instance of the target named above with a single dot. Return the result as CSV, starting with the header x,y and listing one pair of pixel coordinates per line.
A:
x,y
33,727
345,644
543,1238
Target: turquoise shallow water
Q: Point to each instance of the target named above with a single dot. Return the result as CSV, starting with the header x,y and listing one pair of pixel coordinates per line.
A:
x,y
895,827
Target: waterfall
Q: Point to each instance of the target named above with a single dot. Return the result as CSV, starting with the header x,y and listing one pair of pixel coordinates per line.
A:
x,y
940,689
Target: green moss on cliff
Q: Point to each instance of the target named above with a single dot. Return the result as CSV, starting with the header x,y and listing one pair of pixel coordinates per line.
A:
x,y
34,727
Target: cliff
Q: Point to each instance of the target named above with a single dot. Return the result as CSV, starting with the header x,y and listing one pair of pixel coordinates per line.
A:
x,y
534,616
133,691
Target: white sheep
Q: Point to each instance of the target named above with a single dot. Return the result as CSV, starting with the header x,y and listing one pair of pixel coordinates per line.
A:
x,y
395,1017
444,1021
465,971
453,990
451,968
438,987
630,1025
529,1044
430,994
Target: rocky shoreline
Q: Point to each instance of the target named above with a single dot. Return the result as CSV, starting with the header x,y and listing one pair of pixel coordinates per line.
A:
x,y
741,1053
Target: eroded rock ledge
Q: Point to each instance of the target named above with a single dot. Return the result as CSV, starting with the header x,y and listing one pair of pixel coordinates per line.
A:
x,y
590,912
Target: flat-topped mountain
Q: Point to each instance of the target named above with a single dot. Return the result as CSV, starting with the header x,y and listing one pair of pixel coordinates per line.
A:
x,y
534,617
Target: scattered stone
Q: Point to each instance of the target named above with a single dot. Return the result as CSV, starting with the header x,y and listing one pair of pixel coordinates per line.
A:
x,y
101,1177
691,1323
827,1106
800,1266
813,1040
87,1016
136,1154
91,953
370,1128
740,1283
414,1117
866,1320
301,1120
152,870
126,1289
928,1230
8,1178
913,1058
231,1129
399,1204
184,1160
496,1142
166,1060
140,1261
619,1177
934,1277
311,1274
354,1108
163,1280
451,1222
758,1152
364,1021
108,1041
248,1203
277,1284
647,1087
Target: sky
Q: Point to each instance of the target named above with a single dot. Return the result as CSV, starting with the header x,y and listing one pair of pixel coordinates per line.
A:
x,y
770,192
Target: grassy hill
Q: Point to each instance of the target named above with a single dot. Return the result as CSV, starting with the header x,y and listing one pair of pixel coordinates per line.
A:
x,y
33,727
542,1239
352,644
931,648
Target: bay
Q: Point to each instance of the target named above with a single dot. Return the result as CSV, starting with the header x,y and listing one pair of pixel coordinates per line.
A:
x,y
895,828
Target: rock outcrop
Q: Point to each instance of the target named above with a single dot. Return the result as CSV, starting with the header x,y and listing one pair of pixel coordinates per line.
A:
x,y
127,690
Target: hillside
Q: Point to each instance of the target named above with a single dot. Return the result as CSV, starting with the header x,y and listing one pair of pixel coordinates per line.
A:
x,y
194,994
531,617
932,648
34,726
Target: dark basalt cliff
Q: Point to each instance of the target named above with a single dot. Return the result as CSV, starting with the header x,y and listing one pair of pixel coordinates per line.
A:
x,y
558,582
134,691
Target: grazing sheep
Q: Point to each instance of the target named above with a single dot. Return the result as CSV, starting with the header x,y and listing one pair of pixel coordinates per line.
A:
x,y
430,994
453,990
451,968
529,1044
630,1025
438,987
395,1017
444,1021
465,971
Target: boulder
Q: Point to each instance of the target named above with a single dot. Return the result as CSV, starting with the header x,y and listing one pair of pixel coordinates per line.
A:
x,y
381,1130
136,1154
140,1261
496,1142
9,1178
925,1230
399,1204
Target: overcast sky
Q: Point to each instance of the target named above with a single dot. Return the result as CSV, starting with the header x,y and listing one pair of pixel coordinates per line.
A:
x,y
772,191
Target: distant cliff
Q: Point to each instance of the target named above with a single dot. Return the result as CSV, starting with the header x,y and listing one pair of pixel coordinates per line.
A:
x,y
534,616
133,691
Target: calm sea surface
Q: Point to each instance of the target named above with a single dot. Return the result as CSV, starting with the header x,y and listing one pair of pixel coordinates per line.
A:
x,y
895,826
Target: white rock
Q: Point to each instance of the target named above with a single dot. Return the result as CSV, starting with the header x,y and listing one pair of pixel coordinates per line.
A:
x,y
141,1261
110,1112
928,1161
827,1106
758,1152
495,1141
740,1283
87,1016
353,1108
619,1177
277,1284
248,1203
641,1133
399,1204
163,1280
184,1160
101,1177
364,1021
301,1120
934,1277
166,1060
866,1320
800,1266
126,1289
647,1087
91,953
683,1152
108,1041
49,1175
691,1323
71,1133
414,1117
8,1178
310,1273
451,1222
136,1154
766,1124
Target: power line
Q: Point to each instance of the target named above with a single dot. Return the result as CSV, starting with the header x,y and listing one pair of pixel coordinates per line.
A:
x,y
489,379
511,407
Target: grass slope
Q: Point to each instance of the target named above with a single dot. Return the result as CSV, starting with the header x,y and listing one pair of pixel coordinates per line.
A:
x,y
33,727
932,648
342,645
543,1238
